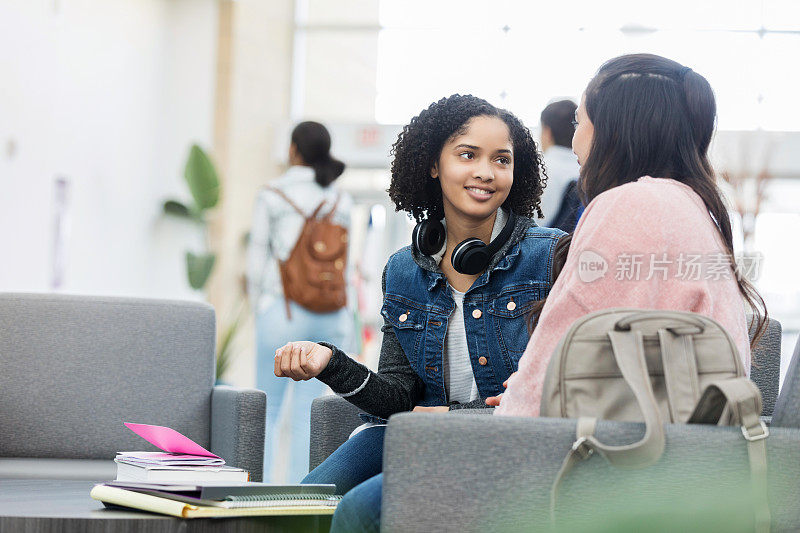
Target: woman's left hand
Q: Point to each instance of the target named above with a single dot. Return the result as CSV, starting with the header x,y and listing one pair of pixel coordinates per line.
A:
x,y
436,409
494,401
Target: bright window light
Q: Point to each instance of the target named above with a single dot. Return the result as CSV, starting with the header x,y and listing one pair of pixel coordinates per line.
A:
x,y
521,55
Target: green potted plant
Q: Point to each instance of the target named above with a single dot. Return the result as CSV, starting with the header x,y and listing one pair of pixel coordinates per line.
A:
x,y
203,181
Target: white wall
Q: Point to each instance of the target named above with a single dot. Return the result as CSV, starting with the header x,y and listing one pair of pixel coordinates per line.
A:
x,y
108,93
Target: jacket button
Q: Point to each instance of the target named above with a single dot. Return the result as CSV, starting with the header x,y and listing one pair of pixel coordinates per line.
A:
x,y
511,305
482,360
403,317
476,313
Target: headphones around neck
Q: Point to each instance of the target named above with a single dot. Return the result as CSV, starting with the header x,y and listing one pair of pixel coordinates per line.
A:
x,y
471,256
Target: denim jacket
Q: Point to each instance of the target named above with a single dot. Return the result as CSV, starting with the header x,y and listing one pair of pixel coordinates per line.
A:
x,y
416,310
418,303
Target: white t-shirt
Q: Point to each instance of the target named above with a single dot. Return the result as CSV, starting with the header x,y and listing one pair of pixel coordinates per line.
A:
x,y
459,381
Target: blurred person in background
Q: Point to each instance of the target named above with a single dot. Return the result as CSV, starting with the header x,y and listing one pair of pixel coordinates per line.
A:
x,y
561,203
314,306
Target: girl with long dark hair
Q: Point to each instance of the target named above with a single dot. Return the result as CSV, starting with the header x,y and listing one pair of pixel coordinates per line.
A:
x,y
656,233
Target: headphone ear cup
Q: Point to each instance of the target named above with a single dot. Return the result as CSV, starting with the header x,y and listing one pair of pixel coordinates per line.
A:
x,y
428,237
470,257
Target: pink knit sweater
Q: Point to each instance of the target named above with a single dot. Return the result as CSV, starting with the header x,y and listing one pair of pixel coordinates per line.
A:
x,y
662,226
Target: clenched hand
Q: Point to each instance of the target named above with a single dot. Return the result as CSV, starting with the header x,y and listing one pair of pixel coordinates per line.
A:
x,y
301,360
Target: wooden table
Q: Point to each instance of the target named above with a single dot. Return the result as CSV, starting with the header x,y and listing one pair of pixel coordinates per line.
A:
x,y
56,506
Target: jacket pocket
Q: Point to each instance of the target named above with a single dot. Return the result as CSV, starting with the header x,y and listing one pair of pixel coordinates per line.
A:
x,y
510,312
408,322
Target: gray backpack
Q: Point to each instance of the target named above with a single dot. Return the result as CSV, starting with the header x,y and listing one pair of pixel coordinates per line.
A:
x,y
652,367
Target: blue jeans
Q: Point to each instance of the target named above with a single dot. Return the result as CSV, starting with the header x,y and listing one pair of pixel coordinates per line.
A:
x,y
273,330
355,468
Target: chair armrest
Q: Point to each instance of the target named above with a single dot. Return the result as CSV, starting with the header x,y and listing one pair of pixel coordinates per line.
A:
x,y
765,368
238,418
333,419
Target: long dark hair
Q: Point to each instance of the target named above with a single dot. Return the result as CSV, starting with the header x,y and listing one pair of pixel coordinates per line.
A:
x,y
654,117
313,143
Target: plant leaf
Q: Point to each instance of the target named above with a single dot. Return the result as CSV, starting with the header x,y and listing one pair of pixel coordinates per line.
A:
x,y
176,208
198,268
202,179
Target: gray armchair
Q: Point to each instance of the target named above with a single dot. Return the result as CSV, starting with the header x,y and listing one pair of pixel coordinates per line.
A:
x,y
73,369
459,474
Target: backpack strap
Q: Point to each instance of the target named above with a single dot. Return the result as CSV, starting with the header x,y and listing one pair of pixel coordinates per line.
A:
x,y
678,360
333,209
288,200
316,211
680,373
628,350
738,401
584,429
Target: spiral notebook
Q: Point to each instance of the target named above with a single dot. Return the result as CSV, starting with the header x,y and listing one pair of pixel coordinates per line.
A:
x,y
183,506
237,495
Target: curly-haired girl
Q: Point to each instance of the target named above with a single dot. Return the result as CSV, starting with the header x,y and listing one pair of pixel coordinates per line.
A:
x,y
454,308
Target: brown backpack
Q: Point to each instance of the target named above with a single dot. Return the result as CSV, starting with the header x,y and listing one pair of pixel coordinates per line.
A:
x,y
313,275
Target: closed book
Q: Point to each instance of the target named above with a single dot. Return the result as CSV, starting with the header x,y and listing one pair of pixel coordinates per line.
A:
x,y
169,459
176,474
168,506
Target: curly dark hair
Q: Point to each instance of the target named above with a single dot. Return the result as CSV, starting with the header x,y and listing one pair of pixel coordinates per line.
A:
x,y
420,144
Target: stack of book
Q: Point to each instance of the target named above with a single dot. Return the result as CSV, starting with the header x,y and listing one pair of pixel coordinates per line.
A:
x,y
174,468
181,460
219,500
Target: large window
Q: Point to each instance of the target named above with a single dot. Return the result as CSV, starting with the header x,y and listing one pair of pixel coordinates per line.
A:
x,y
523,54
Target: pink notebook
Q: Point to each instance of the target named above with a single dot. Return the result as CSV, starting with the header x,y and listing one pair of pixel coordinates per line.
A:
x,y
169,440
